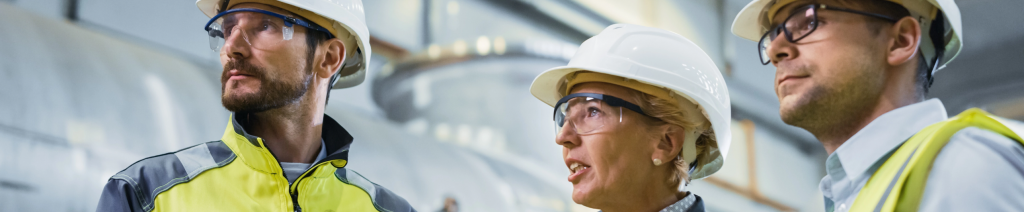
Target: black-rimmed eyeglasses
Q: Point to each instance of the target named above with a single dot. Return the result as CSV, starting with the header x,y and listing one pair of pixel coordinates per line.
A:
x,y
800,23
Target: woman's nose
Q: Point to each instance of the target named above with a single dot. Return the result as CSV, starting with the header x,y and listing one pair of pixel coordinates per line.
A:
x,y
567,137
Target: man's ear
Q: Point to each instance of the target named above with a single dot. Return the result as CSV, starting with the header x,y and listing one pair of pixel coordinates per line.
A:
x,y
332,54
905,37
669,144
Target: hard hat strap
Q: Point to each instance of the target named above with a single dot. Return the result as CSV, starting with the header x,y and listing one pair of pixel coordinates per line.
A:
x,y
937,35
330,86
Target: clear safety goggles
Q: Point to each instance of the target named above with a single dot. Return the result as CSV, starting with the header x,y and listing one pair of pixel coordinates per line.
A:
x,y
260,29
589,113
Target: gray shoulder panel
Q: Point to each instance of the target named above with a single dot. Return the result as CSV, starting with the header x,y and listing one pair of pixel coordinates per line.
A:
x,y
153,175
383,199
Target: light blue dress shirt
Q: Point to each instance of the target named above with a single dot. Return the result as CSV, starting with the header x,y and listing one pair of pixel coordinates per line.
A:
x,y
978,170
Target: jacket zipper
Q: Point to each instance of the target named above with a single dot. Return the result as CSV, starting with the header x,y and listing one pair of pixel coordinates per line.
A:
x,y
295,201
295,194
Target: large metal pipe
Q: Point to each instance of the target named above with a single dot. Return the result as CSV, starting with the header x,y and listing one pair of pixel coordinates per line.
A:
x,y
478,98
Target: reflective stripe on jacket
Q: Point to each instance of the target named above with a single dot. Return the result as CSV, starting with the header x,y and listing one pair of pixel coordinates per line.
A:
x,y
899,183
238,173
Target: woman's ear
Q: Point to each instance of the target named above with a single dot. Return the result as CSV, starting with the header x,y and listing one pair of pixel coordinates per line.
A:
x,y
669,144
332,54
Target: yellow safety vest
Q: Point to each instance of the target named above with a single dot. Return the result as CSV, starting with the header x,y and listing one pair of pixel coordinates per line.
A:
x,y
899,183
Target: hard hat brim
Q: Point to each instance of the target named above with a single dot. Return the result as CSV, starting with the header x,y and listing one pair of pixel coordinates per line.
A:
x,y
746,25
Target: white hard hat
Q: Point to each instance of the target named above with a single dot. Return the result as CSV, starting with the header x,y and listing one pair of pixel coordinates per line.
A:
x,y
753,21
658,58
344,18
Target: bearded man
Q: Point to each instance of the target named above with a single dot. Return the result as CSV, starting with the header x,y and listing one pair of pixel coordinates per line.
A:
x,y
280,152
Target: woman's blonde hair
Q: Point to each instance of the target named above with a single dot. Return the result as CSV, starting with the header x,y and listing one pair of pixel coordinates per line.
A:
x,y
666,111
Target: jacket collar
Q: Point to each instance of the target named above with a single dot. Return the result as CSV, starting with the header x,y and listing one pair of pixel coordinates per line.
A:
x,y
253,152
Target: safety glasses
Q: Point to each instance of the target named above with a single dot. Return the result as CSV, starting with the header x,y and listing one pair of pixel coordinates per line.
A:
x,y
802,22
588,113
260,29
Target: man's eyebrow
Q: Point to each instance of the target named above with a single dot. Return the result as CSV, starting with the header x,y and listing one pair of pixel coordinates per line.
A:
x,y
229,18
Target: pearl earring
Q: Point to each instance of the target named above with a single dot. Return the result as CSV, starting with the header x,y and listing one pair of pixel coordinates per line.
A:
x,y
657,162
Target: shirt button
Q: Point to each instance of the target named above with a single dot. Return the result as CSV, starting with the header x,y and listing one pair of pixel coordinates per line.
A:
x,y
842,207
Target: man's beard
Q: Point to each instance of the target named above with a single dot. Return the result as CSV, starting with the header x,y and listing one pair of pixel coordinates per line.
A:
x,y
835,107
270,95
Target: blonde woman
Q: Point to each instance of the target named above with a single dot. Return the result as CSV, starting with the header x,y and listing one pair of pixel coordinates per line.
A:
x,y
639,112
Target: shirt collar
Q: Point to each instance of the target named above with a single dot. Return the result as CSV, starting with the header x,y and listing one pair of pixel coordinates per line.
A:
x,y
683,204
691,202
882,135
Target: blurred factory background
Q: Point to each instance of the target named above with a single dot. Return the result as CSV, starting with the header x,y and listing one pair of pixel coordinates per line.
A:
x,y
89,86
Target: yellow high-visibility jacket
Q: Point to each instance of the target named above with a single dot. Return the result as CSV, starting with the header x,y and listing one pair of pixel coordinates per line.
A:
x,y
899,184
238,173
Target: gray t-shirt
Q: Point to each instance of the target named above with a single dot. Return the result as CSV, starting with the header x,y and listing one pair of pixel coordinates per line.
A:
x,y
293,170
